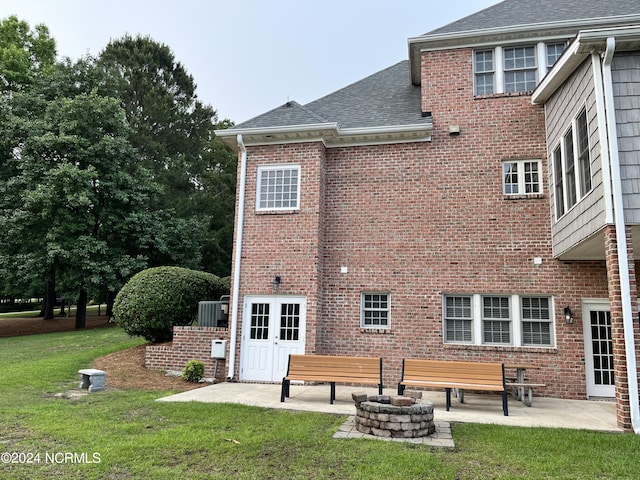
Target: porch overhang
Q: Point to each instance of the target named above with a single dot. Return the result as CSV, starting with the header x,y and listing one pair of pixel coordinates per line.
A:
x,y
330,134
592,247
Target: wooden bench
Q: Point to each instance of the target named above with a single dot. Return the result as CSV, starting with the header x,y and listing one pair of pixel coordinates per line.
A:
x,y
332,369
454,375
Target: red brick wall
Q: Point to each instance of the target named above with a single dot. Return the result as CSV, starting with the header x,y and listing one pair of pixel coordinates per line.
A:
x,y
419,220
288,244
189,343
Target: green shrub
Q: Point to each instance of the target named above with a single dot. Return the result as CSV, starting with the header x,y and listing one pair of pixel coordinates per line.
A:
x,y
157,299
193,371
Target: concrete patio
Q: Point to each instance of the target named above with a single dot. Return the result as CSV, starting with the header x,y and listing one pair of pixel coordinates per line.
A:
x,y
484,408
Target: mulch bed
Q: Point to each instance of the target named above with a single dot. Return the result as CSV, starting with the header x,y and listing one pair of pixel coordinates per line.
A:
x,y
15,327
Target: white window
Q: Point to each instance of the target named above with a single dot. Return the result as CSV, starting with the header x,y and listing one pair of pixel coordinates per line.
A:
x,y
536,321
458,319
496,320
511,69
520,70
572,165
484,72
278,187
584,160
375,310
521,177
510,320
554,51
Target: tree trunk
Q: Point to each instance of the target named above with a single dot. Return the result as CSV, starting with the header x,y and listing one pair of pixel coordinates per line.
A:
x,y
81,309
111,298
49,301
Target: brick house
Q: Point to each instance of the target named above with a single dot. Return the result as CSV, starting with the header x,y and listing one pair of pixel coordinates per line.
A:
x,y
478,201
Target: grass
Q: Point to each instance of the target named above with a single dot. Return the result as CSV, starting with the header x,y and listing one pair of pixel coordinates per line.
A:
x,y
134,437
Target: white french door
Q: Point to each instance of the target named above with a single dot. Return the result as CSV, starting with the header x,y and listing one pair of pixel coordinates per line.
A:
x,y
598,347
273,327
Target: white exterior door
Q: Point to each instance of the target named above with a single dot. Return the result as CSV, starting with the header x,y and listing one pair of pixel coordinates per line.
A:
x,y
598,349
273,327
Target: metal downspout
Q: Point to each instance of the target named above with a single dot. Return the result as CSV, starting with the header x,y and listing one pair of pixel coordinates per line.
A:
x,y
621,236
238,255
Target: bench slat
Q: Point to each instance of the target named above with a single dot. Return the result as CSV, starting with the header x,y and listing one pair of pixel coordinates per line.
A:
x,y
454,375
332,369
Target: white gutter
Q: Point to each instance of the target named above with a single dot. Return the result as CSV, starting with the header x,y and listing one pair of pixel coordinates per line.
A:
x,y
621,237
238,255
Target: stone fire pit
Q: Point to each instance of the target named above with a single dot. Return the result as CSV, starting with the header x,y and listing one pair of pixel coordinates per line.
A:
x,y
393,417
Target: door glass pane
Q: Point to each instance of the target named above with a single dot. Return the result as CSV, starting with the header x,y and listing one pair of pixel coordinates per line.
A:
x,y
259,321
601,343
290,321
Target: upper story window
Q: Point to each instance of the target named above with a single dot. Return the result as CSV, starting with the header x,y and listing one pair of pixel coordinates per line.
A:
x,y
485,72
514,68
554,51
278,187
375,310
521,177
520,70
572,165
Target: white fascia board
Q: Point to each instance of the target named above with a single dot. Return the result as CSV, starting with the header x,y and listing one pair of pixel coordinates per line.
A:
x,y
566,64
587,42
330,134
277,130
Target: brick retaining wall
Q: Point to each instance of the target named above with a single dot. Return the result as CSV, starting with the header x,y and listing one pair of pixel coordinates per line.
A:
x,y
189,343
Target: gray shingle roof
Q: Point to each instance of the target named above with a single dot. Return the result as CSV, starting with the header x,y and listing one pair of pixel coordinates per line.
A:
x,y
385,98
530,12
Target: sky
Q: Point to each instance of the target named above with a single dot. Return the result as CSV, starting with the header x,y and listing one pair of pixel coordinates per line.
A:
x,y
250,56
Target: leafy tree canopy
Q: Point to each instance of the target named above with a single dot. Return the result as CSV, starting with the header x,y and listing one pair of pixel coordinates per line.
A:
x,y
24,53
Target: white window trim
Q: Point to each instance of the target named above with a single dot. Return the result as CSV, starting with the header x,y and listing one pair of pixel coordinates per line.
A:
x,y
573,128
284,166
498,58
515,319
388,310
521,177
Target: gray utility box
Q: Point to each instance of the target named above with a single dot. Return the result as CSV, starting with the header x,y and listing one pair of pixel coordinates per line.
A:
x,y
218,349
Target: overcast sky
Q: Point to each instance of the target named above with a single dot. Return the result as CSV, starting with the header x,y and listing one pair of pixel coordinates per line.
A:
x,y
249,56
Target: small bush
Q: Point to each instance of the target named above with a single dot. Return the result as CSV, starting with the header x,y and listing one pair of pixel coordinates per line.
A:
x,y
193,371
155,300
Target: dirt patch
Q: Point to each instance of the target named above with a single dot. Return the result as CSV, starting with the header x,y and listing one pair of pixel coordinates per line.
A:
x,y
15,327
125,369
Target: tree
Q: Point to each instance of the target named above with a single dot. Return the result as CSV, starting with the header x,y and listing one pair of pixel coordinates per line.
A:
x,y
82,188
24,53
173,131
170,127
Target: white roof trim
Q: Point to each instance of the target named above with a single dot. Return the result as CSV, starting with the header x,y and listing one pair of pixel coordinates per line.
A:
x,y
586,43
328,133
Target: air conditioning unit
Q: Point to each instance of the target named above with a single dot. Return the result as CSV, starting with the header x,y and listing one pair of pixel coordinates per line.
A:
x,y
210,314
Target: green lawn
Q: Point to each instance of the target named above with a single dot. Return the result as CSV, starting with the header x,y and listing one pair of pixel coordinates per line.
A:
x,y
125,434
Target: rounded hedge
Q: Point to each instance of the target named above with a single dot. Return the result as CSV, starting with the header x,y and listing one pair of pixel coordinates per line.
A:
x,y
155,300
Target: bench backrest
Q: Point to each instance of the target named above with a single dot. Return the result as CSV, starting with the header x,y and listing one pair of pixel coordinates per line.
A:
x,y
336,367
479,373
